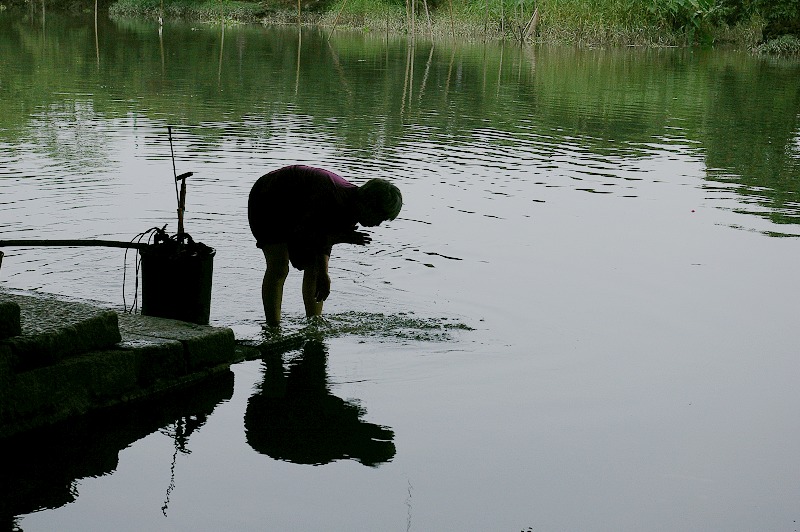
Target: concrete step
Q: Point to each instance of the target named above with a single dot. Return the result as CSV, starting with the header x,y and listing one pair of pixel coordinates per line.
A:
x,y
74,358
51,329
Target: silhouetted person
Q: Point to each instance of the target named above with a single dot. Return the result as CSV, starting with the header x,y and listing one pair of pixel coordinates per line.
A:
x,y
297,213
294,417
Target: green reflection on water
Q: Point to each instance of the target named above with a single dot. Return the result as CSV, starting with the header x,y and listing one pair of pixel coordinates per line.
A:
x,y
369,95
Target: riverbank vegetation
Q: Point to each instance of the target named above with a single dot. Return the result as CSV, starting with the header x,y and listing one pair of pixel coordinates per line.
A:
x,y
591,22
766,26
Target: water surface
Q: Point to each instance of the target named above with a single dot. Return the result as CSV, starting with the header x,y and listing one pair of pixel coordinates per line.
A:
x,y
582,320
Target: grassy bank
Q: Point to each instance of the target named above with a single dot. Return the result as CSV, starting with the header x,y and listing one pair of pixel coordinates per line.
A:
x,y
210,10
584,22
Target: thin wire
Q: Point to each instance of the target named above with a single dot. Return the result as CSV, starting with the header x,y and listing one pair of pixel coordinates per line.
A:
x,y
138,262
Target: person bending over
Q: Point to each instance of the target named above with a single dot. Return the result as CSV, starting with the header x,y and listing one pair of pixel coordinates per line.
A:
x,y
297,213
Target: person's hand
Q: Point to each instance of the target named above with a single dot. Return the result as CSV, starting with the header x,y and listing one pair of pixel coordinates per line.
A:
x,y
323,287
359,238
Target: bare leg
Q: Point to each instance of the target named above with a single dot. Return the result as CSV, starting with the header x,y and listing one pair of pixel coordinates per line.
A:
x,y
277,256
316,286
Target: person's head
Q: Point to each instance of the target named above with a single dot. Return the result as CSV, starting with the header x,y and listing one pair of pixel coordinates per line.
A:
x,y
380,201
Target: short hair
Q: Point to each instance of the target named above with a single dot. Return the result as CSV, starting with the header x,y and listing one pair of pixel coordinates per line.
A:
x,y
383,196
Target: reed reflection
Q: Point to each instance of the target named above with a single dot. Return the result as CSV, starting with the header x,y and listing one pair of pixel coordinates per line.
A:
x,y
41,468
294,416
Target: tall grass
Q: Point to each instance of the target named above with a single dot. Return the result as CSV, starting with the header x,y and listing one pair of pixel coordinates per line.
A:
x,y
601,22
587,22
631,22
188,9
783,45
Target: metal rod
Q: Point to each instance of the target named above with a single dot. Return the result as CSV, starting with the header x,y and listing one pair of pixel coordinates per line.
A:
x,y
174,172
73,243
181,206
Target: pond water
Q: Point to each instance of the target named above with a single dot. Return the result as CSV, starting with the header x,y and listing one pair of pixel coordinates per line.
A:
x,y
583,319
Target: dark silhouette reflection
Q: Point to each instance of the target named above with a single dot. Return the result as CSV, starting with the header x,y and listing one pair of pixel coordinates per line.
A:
x,y
294,417
39,469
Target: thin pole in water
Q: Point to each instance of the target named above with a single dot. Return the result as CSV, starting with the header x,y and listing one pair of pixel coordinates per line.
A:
x,y
174,172
336,20
175,176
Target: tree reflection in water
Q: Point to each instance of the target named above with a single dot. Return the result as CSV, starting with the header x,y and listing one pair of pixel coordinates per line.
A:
x,y
295,417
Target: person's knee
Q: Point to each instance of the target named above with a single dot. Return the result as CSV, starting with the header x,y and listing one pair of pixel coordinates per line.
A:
x,y
277,270
277,257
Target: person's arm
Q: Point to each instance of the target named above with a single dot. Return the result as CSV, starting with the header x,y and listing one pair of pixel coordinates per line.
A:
x,y
323,279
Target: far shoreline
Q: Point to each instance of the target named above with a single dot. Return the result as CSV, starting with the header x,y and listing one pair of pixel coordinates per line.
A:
x,y
439,24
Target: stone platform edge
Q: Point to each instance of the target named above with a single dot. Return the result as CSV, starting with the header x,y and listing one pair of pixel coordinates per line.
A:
x,y
146,357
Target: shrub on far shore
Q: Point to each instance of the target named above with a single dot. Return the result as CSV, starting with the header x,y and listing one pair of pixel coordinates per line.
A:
x,y
765,26
188,9
783,45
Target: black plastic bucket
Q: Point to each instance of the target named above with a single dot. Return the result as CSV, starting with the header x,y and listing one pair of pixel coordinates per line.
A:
x,y
176,281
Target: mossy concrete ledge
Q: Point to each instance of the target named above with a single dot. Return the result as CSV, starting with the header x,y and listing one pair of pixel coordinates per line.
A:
x,y
61,358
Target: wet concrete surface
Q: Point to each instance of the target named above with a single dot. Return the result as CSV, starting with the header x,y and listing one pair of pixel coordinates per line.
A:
x,y
73,357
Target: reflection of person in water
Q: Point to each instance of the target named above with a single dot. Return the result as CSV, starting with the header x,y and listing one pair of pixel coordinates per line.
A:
x,y
297,213
294,417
